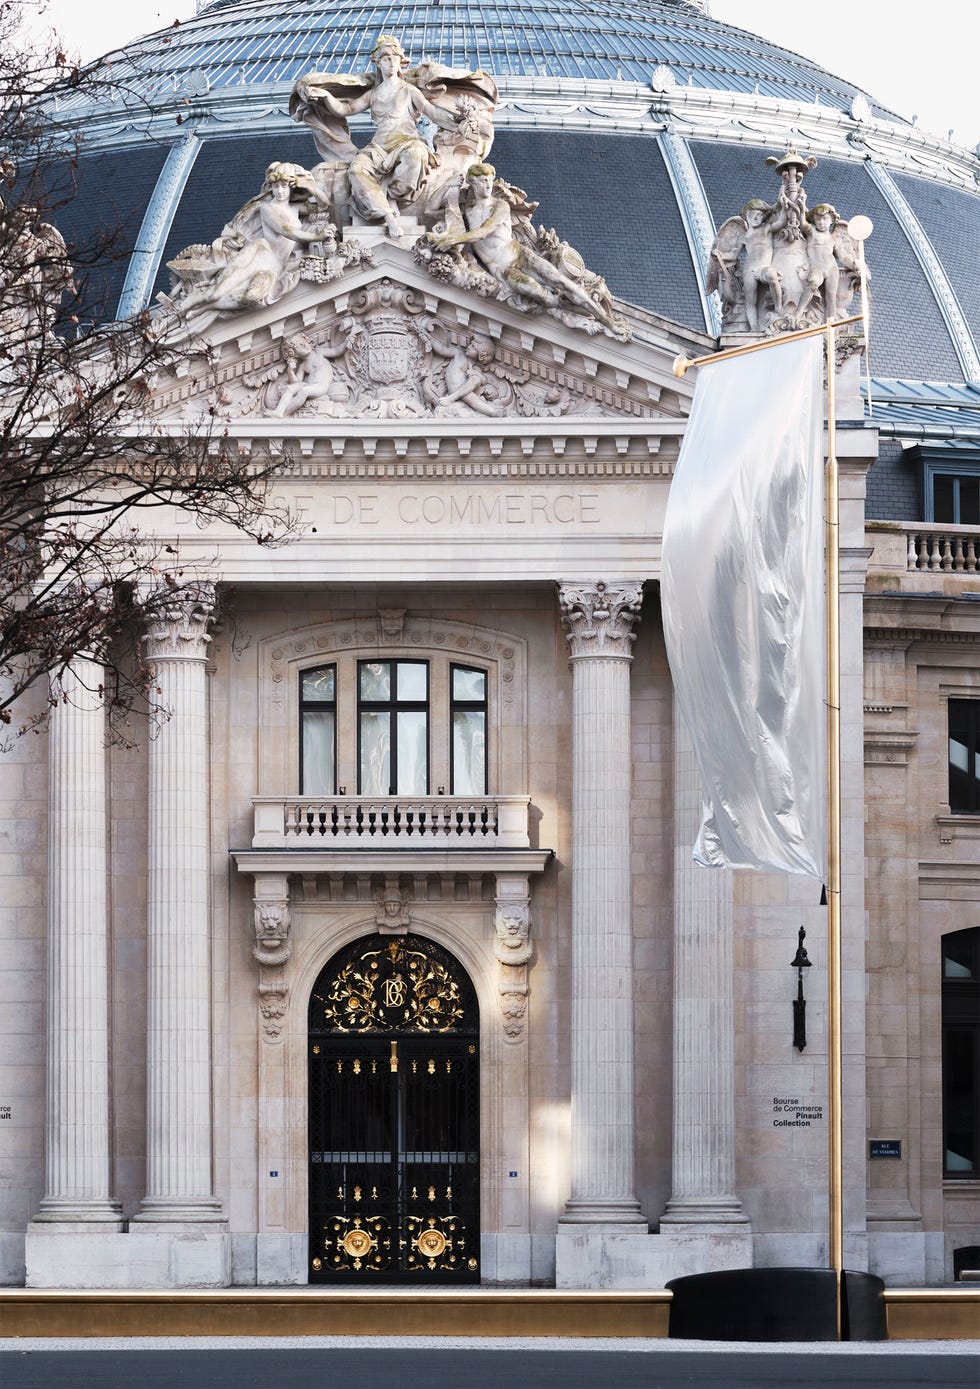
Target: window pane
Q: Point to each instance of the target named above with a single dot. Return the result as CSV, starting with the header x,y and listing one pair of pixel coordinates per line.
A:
x,y
376,680
469,684
959,1101
960,954
318,754
318,685
964,755
412,680
943,499
469,752
969,501
413,770
375,754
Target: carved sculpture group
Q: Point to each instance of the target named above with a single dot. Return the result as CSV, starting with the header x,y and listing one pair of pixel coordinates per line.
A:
x,y
781,266
469,228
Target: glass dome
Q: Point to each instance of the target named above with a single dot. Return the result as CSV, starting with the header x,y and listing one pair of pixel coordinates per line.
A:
x,y
247,42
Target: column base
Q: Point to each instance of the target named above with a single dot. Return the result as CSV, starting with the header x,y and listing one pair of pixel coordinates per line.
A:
x,y
703,1213
86,1259
168,1213
589,1211
618,1257
68,1215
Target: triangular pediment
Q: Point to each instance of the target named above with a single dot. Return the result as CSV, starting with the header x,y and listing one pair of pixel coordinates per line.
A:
x,y
384,341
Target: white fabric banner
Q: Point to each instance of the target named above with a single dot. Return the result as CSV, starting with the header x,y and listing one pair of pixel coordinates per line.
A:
x,y
742,592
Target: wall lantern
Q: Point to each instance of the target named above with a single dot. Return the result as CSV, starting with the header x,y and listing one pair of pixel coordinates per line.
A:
x,y
801,961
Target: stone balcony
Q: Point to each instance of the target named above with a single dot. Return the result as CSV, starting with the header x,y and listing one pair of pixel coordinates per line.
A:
x,y
920,557
440,834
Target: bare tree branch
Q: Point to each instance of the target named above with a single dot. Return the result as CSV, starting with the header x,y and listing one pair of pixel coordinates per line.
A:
x,y
81,466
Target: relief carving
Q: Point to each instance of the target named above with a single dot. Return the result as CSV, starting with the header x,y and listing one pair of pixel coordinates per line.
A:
x,y
272,947
394,913
513,950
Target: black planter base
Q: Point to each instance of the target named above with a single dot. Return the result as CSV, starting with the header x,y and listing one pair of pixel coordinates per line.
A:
x,y
776,1304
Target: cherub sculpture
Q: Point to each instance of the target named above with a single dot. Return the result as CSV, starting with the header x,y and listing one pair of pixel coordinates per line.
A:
x,y
780,267
493,230
255,260
834,269
391,171
746,238
309,374
465,379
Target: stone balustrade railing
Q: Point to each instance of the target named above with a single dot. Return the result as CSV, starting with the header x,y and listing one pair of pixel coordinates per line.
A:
x,y
323,822
944,549
909,553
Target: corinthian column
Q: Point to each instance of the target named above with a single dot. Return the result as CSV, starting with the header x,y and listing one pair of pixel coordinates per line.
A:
x,y
76,1139
178,1064
600,619
703,1187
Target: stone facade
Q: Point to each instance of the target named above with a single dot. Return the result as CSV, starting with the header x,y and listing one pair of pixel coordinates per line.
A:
x,y
643,1110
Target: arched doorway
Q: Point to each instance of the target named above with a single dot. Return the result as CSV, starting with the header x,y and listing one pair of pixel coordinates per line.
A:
x,y
394,1120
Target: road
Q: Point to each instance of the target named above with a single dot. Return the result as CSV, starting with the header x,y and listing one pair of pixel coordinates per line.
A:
x,y
423,1366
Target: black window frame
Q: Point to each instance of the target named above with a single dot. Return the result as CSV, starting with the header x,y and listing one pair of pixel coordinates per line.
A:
x,y
307,706
961,1015
968,711
394,706
467,705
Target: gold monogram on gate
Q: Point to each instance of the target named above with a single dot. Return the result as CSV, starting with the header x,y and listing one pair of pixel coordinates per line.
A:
x,y
393,987
394,991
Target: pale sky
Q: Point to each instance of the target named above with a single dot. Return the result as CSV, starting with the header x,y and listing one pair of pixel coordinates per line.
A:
x,y
916,59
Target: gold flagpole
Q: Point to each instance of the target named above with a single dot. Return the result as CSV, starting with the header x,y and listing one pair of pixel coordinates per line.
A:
x,y
835,1058
832,527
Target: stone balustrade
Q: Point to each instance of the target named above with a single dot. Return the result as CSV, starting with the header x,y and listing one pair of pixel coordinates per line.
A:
x,y
944,549
911,554
305,822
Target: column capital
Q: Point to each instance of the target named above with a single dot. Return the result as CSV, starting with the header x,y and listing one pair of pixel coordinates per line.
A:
x,y
177,624
600,617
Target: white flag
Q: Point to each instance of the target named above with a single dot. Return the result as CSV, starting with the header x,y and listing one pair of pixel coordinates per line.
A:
x,y
743,607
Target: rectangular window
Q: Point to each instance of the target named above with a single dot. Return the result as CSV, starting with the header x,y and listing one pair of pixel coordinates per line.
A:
x,y
961,1053
964,756
956,499
393,723
468,707
318,739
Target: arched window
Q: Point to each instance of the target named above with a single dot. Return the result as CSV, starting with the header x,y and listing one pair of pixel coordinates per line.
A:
x,y
961,1053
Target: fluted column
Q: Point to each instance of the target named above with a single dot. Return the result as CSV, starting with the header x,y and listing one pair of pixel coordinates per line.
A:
x,y
76,1139
703,1187
600,618
178,1073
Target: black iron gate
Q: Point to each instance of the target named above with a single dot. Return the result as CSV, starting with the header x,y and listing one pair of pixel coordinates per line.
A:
x,y
394,1116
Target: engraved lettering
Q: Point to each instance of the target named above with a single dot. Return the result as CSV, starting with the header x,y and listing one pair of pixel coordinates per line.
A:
x,y
408,510
567,513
